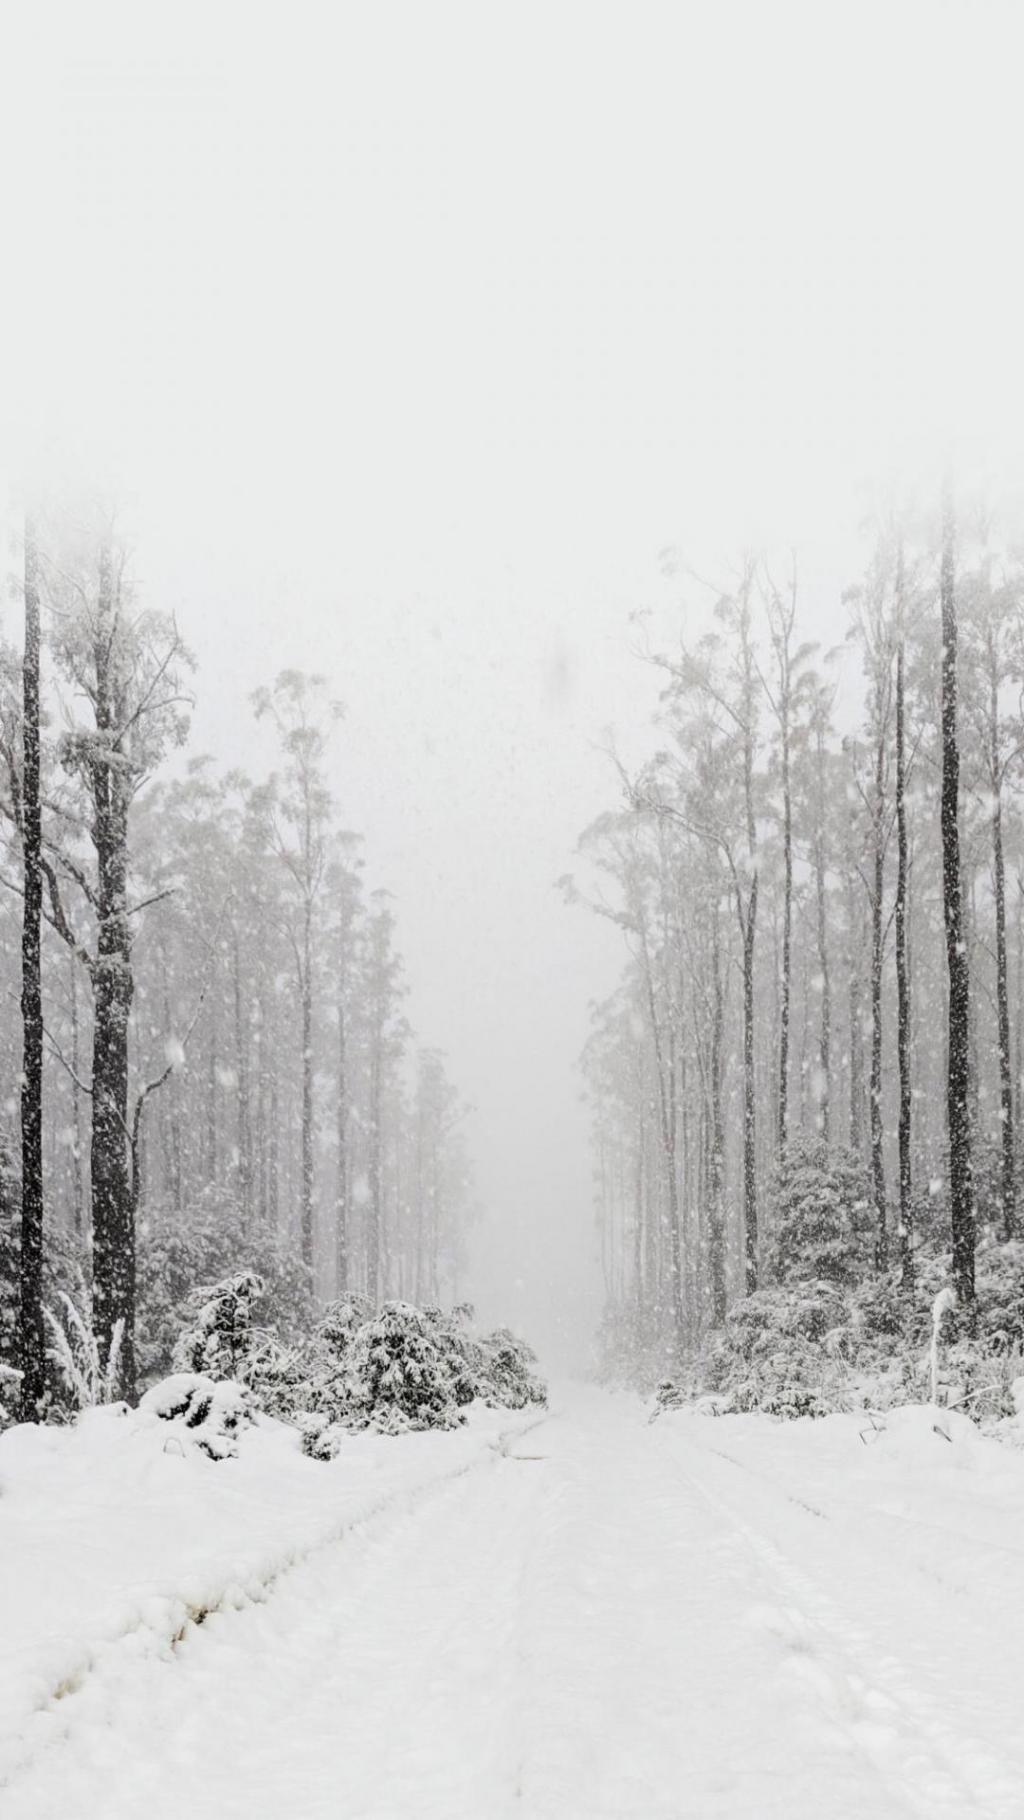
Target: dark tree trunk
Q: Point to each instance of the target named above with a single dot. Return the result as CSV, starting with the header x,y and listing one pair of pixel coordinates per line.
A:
x,y
113,1254
787,930
906,1252
877,957
1008,1192
78,1184
1018,1079
856,1043
716,1222
32,1345
961,1180
748,929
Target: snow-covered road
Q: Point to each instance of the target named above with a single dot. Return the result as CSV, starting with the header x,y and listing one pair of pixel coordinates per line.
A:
x,y
608,1618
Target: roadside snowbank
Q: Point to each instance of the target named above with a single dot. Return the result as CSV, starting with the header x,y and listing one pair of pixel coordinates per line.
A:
x,y
116,1535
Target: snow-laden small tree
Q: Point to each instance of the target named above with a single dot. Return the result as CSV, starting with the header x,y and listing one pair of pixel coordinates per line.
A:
x,y
399,1374
207,1243
820,1221
508,1378
221,1333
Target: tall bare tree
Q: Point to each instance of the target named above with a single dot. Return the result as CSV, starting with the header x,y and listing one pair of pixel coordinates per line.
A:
x,y
958,1111
32,1349
298,810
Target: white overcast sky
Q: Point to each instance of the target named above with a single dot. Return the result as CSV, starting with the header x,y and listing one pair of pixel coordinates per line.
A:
x,y
408,335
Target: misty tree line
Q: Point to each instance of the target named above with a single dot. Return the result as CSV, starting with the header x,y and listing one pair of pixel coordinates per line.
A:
x,y
211,999
820,877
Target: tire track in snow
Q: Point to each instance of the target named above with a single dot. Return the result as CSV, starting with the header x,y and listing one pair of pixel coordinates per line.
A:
x,y
868,1690
864,1513
172,1623
374,1671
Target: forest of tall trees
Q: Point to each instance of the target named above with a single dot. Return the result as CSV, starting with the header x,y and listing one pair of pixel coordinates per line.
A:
x,y
819,874
213,1031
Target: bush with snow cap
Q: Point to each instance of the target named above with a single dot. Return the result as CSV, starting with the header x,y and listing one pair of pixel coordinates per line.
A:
x,y
202,1412
341,1320
398,1374
402,1368
509,1380
221,1333
320,1438
206,1243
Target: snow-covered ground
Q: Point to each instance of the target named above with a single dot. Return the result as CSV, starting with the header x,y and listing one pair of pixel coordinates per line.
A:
x,y
584,1616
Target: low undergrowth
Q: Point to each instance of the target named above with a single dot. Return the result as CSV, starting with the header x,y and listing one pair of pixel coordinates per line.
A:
x,y
395,1369
831,1332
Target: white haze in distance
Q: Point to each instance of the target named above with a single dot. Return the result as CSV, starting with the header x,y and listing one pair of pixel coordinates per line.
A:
x,y
409,335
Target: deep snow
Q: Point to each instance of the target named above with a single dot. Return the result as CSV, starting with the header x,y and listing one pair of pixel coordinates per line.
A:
x,y
590,1616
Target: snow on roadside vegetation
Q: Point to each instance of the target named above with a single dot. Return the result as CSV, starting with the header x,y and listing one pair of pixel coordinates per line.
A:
x,y
122,1529
117,1532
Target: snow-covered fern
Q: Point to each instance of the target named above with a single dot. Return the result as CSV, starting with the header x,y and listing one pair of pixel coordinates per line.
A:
x,y
88,1378
10,1380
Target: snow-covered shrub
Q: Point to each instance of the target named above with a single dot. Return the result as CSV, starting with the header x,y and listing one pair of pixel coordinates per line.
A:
x,y
203,1413
279,1376
987,1174
341,1320
399,1376
403,1368
465,1353
755,1325
820,1218
64,1273
10,1379
179,1250
780,1351
220,1333
87,1374
508,1379
1000,1292
1009,1428
878,1311
312,1383
321,1439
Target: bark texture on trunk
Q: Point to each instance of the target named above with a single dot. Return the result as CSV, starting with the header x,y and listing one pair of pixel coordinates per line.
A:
x,y
32,1344
905,1230
113,1227
958,1113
